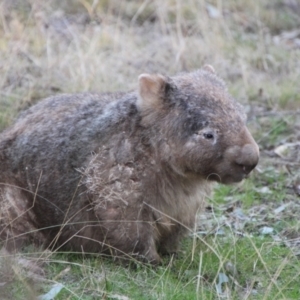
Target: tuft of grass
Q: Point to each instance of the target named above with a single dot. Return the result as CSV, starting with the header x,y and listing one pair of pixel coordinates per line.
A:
x,y
255,267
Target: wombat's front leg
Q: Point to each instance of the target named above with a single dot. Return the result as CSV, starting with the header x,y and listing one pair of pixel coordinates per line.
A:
x,y
129,234
169,243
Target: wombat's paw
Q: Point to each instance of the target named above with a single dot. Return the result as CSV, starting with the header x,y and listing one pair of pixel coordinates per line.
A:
x,y
151,258
134,259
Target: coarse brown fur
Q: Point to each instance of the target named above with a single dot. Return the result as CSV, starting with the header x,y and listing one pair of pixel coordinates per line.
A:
x,y
121,173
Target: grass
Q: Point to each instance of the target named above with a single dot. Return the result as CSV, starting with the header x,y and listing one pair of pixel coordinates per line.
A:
x,y
256,267
71,46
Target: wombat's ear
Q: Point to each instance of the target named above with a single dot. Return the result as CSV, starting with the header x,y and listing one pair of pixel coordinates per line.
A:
x,y
151,90
209,68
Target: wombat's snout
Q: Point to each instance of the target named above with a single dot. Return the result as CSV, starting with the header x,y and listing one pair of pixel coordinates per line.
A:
x,y
248,157
240,159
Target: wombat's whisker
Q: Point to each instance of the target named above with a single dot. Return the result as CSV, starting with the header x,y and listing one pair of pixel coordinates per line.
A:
x,y
213,175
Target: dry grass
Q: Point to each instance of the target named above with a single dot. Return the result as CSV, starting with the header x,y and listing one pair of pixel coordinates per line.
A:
x,y
50,47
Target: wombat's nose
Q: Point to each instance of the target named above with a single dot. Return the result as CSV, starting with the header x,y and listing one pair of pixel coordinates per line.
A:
x,y
247,169
248,158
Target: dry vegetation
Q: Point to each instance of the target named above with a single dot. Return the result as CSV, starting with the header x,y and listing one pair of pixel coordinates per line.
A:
x,y
247,245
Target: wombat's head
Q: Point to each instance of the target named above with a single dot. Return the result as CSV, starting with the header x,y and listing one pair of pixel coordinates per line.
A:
x,y
199,129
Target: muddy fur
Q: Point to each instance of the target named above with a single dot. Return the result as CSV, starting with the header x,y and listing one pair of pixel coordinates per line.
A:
x,y
122,173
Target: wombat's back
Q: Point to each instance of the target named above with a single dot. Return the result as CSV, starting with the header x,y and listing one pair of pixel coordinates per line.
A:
x,y
42,154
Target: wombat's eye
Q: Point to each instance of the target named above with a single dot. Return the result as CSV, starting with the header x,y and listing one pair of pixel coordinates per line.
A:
x,y
208,136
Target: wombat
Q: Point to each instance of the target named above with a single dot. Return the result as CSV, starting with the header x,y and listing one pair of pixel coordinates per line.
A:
x,y
121,173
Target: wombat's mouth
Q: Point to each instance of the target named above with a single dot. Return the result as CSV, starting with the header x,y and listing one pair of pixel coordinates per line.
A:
x,y
228,178
232,172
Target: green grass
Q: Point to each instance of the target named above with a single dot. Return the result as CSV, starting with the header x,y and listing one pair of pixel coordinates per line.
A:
x,y
256,268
